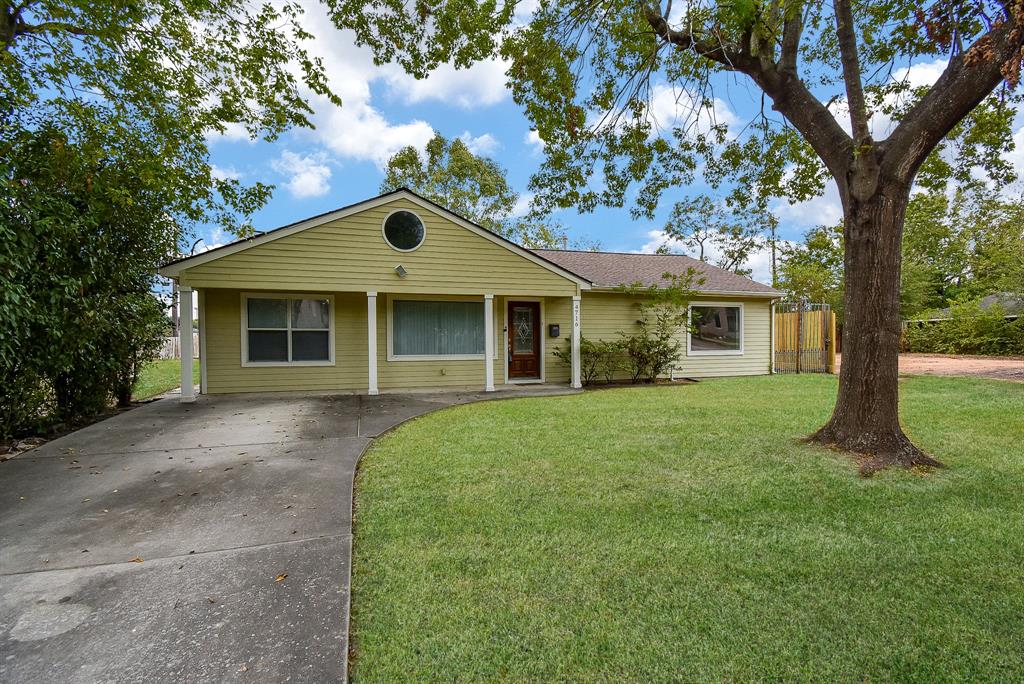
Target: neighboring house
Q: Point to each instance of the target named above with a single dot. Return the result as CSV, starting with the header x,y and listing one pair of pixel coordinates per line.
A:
x,y
397,292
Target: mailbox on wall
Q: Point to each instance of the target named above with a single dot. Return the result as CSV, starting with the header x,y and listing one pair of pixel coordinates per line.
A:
x,y
553,330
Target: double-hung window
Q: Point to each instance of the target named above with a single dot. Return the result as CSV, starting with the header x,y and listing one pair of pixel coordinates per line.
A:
x,y
287,329
430,329
715,329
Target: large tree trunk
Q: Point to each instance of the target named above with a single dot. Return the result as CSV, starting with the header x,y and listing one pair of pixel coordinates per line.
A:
x,y
866,416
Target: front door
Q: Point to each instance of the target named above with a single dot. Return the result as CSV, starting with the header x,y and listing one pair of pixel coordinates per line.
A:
x,y
524,339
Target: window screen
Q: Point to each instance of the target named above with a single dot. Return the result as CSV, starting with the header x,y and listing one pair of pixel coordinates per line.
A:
x,y
429,328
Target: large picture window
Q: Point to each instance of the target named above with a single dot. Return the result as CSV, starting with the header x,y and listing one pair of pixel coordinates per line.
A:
x,y
287,329
427,329
716,329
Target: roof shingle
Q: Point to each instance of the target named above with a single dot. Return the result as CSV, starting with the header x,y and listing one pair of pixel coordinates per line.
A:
x,y
612,269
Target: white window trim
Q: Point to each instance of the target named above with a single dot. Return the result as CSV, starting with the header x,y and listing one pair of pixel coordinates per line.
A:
x,y
427,357
384,234
246,296
724,352
543,332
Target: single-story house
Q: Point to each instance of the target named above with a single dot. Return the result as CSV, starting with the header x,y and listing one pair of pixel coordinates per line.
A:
x,y
397,292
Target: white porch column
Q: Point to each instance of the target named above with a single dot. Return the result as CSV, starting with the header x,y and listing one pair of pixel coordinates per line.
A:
x,y
488,343
188,392
371,338
576,384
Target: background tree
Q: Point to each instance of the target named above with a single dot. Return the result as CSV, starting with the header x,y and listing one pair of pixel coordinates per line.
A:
x,y
587,75
719,234
472,186
813,269
958,247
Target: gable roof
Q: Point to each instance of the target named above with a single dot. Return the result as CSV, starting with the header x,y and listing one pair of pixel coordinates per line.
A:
x,y
173,268
612,269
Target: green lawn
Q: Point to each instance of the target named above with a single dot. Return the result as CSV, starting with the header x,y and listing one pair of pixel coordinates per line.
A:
x,y
682,534
159,376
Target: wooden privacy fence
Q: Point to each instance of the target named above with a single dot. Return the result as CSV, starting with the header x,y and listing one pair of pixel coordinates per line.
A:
x,y
805,338
171,347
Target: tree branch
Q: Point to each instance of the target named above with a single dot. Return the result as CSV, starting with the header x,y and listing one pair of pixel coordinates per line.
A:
x,y
728,56
18,27
789,95
792,27
851,72
968,79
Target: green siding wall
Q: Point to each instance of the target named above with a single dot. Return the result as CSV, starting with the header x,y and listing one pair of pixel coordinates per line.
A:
x,y
603,316
350,254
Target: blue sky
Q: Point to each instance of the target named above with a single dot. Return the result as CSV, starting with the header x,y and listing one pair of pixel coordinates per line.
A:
x,y
340,162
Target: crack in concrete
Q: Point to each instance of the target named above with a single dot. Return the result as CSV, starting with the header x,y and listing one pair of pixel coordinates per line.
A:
x,y
192,554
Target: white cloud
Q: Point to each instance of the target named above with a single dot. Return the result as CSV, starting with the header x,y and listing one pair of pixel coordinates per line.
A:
x,y
882,125
522,206
359,131
217,239
307,175
824,210
225,172
481,85
1016,157
484,145
673,107
233,132
533,141
356,130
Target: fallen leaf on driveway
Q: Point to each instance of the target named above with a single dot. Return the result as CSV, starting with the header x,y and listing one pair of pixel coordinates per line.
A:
x,y
136,559
280,578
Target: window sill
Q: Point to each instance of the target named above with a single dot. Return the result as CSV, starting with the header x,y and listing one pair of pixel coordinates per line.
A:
x,y
716,353
280,364
438,357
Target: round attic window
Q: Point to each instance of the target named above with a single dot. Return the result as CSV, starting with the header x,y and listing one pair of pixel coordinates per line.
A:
x,y
404,230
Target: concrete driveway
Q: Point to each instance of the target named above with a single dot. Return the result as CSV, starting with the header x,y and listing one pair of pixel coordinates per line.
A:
x,y
196,542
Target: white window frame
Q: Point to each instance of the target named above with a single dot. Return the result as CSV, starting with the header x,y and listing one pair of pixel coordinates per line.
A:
x,y
384,235
690,351
246,296
428,357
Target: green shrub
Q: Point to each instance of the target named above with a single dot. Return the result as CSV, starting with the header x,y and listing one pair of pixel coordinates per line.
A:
x,y
81,235
969,329
599,358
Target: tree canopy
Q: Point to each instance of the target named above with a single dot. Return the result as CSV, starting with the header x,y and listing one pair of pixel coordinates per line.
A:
x,y
164,73
472,186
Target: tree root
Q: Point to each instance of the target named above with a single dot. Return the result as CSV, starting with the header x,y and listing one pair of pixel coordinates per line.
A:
x,y
876,452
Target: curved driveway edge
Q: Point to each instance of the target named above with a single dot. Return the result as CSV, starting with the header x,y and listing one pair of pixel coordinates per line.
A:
x,y
150,545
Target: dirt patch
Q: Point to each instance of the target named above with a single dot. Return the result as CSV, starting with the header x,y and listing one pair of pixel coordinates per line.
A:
x,y
994,367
